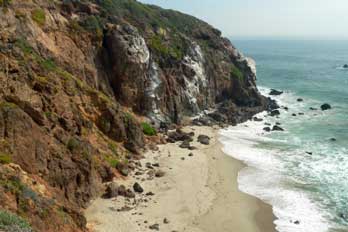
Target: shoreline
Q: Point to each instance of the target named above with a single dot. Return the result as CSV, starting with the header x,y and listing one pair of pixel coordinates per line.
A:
x,y
198,193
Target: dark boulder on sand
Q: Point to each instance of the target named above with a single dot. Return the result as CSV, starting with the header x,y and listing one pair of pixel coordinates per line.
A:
x,y
185,144
267,129
154,227
137,188
203,139
111,190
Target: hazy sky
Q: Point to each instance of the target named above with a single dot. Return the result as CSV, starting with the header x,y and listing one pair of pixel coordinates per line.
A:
x,y
265,18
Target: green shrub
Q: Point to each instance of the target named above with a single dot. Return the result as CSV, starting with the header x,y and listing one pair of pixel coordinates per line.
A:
x,y
47,64
72,144
12,222
24,46
235,72
158,45
39,16
12,185
113,162
5,158
113,147
7,105
5,3
148,129
93,24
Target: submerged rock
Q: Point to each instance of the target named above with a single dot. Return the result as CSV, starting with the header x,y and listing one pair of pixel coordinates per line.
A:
x,y
275,92
277,128
256,119
275,113
325,106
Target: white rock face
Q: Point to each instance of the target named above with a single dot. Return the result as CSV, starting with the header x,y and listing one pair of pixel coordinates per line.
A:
x,y
154,82
152,91
139,50
252,64
195,62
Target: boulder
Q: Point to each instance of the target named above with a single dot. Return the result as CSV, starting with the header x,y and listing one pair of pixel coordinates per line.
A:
x,y
154,227
137,188
325,106
129,194
165,221
275,92
345,66
267,129
123,169
111,190
159,173
275,113
203,139
185,144
300,100
277,128
256,119
122,190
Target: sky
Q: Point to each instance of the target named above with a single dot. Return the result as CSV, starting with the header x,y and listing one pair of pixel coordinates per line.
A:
x,y
324,19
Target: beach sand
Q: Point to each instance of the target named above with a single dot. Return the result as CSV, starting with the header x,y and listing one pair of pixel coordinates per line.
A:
x,y
198,193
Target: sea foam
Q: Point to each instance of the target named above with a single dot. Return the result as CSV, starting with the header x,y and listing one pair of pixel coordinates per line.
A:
x,y
265,175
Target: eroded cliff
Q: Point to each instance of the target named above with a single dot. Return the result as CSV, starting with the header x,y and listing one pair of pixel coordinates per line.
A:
x,y
81,82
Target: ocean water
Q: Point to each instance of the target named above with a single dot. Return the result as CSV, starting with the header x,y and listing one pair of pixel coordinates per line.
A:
x,y
301,172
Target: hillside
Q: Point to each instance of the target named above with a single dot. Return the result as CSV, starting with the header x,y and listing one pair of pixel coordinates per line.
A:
x,y
86,86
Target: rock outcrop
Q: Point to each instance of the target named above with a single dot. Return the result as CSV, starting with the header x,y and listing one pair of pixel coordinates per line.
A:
x,y
84,84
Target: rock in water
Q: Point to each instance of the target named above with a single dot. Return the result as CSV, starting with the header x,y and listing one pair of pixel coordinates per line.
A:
x,y
345,66
275,113
204,139
277,128
137,188
275,92
325,107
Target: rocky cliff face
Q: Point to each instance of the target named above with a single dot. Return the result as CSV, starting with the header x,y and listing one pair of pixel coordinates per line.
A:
x,y
77,79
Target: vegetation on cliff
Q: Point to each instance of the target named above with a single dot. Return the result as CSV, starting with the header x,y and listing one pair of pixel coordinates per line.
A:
x,y
85,84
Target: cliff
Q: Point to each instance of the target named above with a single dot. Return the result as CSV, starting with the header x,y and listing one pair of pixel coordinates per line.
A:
x,y
84,85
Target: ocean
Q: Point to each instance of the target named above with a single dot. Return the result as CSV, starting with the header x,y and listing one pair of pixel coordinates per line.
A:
x,y
303,171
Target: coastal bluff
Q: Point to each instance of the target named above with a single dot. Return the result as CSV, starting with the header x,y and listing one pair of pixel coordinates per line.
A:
x,y
87,86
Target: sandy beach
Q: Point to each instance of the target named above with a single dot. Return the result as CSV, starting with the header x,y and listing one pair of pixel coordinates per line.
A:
x,y
198,193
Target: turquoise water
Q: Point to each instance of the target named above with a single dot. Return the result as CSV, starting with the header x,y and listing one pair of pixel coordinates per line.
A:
x,y
307,170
